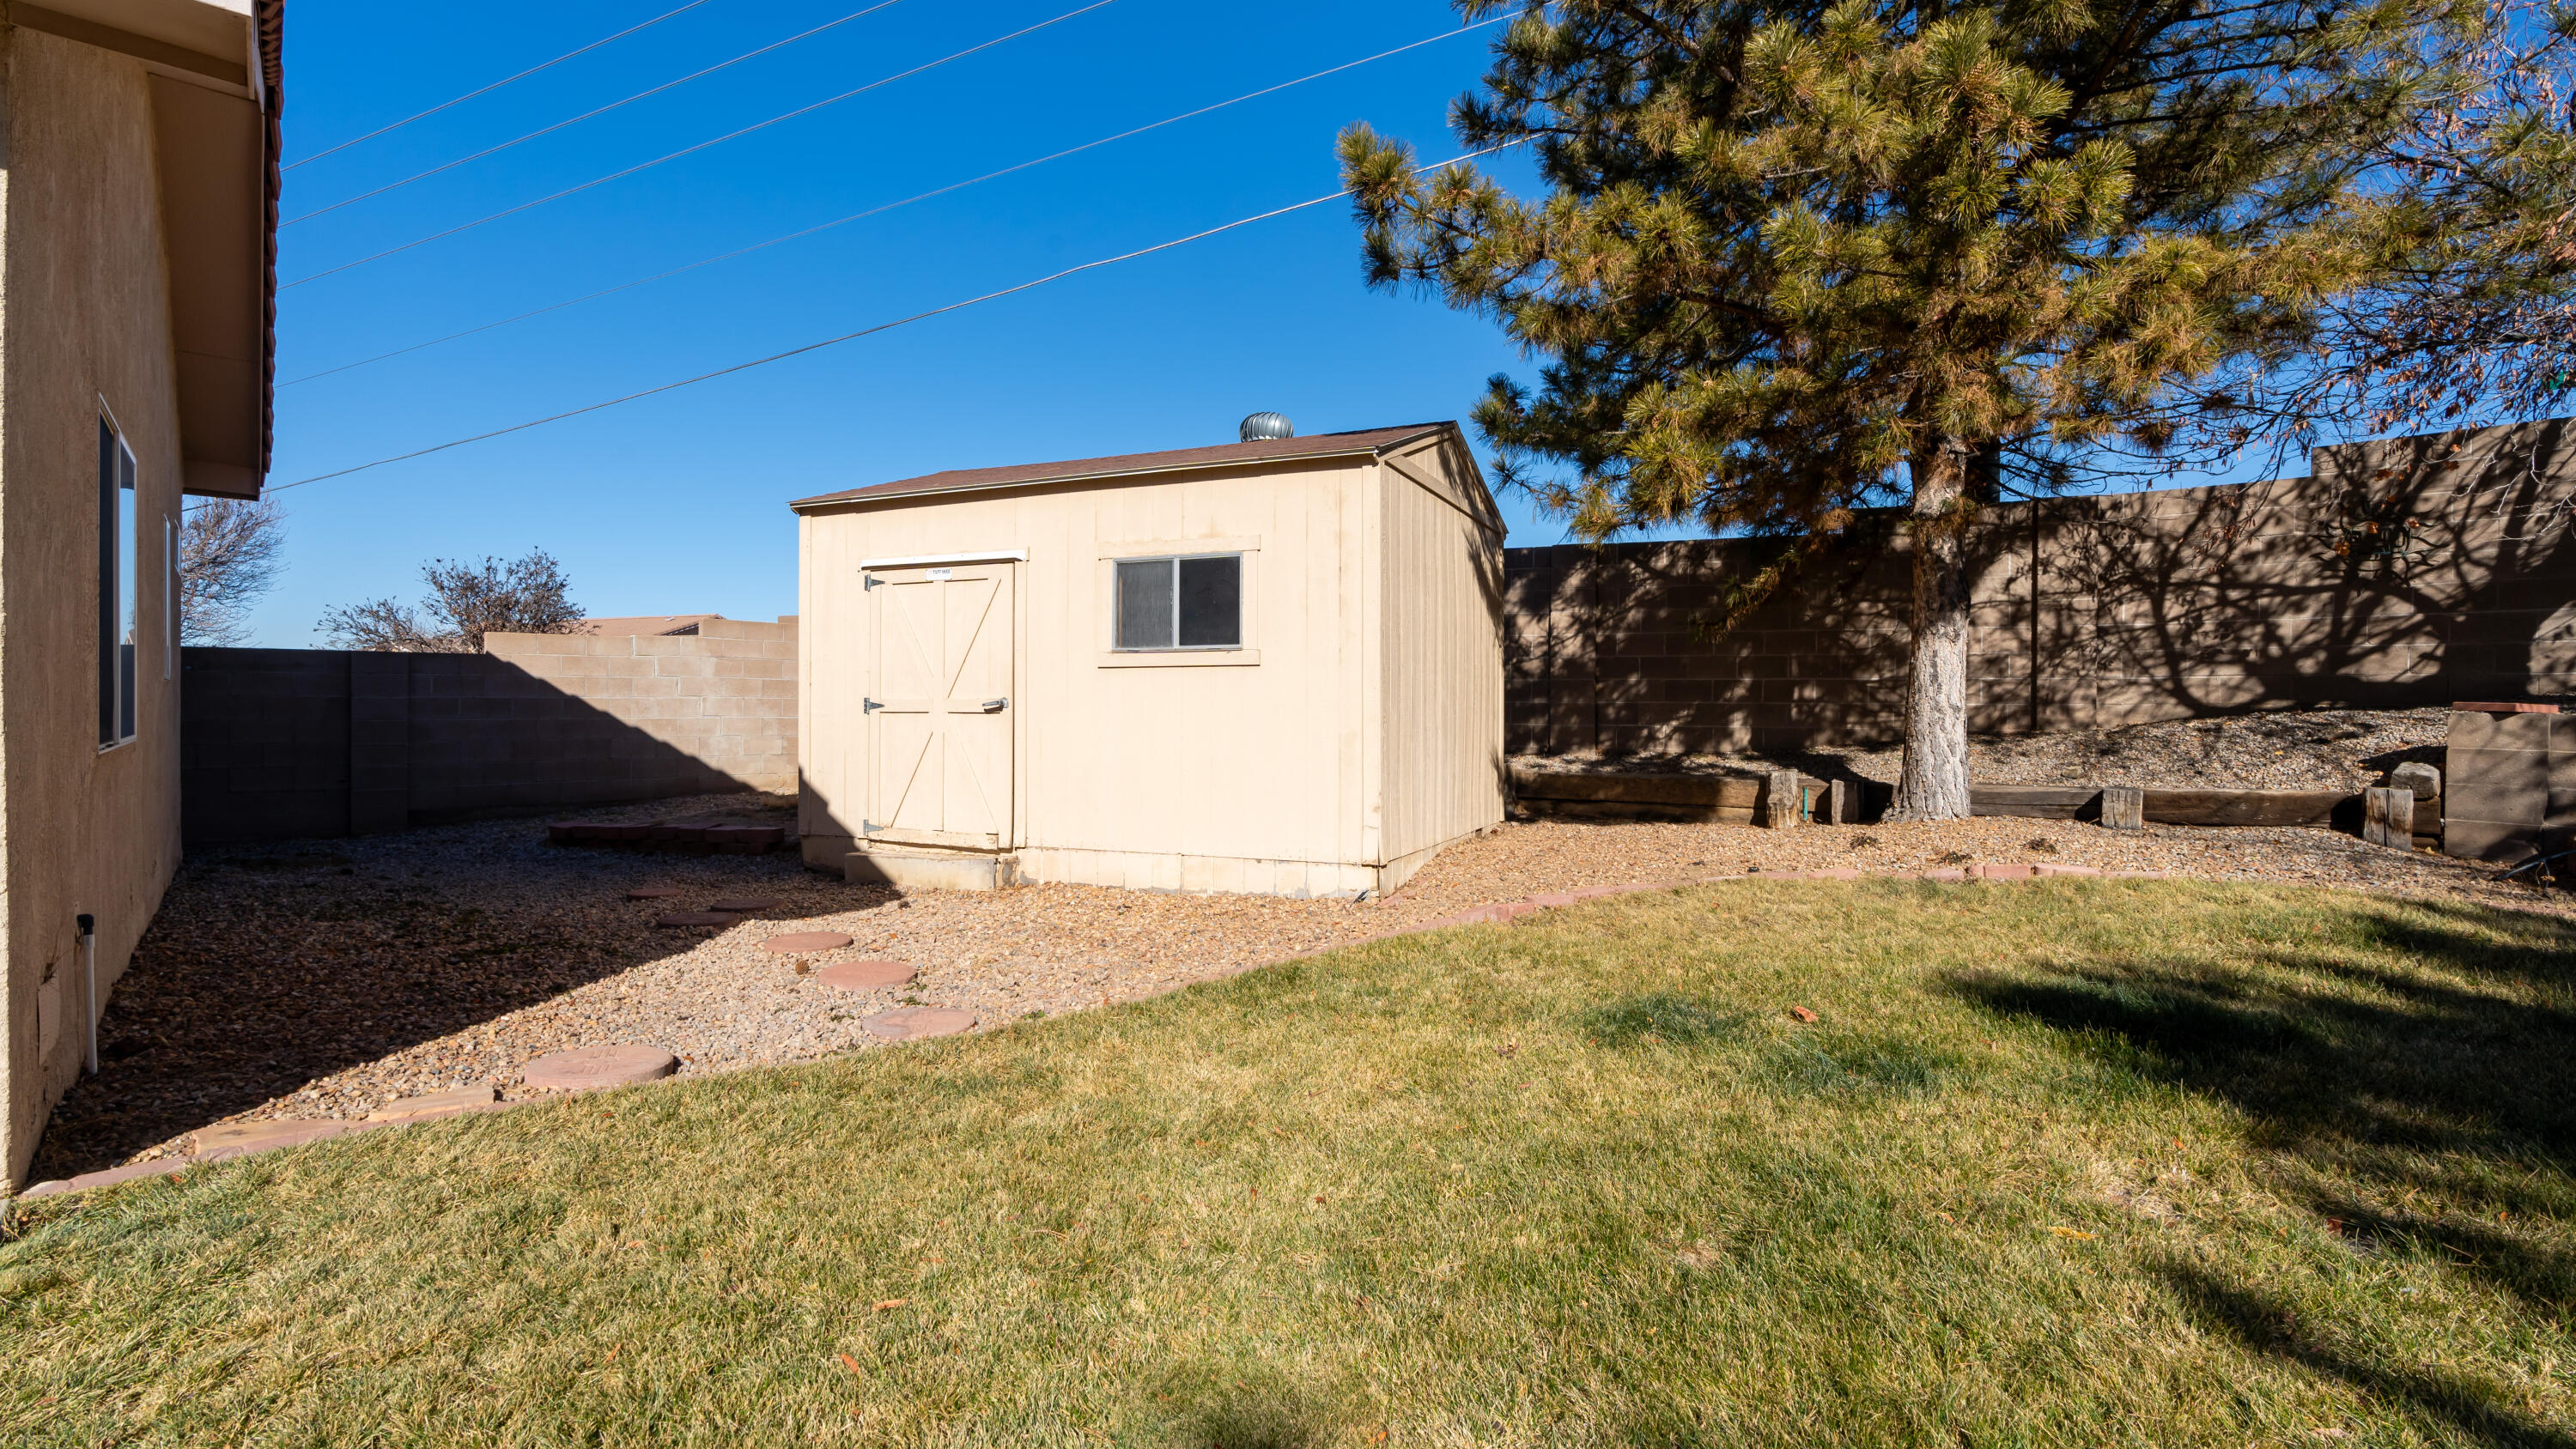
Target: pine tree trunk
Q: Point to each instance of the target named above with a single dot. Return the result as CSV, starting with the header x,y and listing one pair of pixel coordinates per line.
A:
x,y
1933,784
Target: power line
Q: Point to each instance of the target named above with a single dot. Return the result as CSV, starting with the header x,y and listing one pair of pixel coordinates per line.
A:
x,y
496,85
889,206
586,115
1334,195
691,150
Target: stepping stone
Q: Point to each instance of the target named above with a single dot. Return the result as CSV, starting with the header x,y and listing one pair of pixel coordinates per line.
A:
x,y
653,893
913,1023
744,907
800,943
585,1069
865,975
443,1103
695,918
240,1139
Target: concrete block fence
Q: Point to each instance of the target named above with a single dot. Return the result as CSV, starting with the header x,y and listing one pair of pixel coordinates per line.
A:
x,y
287,743
2410,572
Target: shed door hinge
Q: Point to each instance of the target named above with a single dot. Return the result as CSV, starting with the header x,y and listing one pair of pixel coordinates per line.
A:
x,y
869,827
870,706
868,581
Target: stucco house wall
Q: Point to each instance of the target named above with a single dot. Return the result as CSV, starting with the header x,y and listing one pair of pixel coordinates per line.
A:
x,y
86,323
1312,760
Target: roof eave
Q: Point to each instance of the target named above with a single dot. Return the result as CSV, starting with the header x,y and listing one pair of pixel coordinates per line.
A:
x,y
861,496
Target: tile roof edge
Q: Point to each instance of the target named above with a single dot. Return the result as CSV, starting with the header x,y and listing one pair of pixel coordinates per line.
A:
x,y
864,495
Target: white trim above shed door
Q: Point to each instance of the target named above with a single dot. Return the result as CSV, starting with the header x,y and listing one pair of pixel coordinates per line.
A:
x,y
940,717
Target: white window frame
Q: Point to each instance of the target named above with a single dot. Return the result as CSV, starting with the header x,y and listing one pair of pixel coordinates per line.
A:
x,y
120,593
1245,652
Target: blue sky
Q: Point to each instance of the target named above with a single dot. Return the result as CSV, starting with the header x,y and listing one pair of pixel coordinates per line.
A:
x,y
676,503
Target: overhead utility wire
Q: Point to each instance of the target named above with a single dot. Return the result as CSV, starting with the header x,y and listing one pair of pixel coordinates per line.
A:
x,y
702,145
889,206
1334,195
586,115
496,85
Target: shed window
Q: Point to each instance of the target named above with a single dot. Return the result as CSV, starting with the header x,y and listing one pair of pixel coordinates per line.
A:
x,y
1190,602
118,620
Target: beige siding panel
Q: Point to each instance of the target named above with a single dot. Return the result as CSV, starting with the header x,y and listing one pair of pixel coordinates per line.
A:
x,y
1443,657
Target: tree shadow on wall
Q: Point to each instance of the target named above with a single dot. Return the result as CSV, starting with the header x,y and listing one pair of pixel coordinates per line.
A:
x,y
2419,571
2418,1116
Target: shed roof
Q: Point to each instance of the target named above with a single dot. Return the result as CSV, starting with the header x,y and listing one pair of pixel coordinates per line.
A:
x,y
1369,441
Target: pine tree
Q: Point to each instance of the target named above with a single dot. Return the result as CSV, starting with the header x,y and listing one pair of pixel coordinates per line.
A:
x,y
1799,259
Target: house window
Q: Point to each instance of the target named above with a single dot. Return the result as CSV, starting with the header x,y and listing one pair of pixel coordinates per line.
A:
x,y
169,597
1191,602
117,617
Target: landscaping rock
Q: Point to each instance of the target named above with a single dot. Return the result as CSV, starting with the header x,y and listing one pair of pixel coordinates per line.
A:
x,y
586,1069
2415,775
653,893
805,943
678,919
743,907
913,1023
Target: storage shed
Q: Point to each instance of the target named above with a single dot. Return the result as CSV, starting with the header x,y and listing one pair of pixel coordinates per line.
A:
x,y
1273,666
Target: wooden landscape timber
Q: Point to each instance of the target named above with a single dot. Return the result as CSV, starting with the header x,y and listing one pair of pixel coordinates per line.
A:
x,y
1745,800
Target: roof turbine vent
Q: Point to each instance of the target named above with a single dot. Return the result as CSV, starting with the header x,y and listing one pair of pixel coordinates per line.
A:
x,y
1263,426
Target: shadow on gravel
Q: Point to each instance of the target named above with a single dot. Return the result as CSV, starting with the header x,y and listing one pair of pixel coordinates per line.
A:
x,y
2411,1117
271,966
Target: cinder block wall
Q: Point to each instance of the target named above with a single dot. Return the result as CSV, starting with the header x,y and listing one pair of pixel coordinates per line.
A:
x,y
282,743
2412,572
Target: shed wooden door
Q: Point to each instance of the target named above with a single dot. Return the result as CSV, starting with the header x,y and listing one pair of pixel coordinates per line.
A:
x,y
939,708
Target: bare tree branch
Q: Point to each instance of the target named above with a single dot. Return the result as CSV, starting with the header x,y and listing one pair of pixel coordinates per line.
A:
x,y
228,557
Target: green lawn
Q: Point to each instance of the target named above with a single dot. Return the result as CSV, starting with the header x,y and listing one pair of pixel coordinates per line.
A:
x,y
2060,1163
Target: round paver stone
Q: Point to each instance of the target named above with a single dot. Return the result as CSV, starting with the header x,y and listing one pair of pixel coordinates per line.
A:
x,y
652,893
798,943
912,1023
586,1069
741,905
865,975
695,918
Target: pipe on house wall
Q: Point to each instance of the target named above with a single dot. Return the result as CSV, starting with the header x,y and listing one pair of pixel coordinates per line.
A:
x,y
89,985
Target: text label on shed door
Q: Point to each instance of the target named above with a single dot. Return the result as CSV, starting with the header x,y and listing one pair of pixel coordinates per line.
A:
x,y
941,746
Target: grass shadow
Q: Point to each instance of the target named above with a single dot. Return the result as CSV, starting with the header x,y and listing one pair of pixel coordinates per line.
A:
x,y
2404,1071
1841,1064
2268,1326
1661,1018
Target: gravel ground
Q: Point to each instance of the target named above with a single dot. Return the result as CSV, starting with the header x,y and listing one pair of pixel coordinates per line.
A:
x,y
2335,749
326,979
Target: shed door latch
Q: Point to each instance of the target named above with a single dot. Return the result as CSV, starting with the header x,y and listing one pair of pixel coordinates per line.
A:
x,y
870,706
991,705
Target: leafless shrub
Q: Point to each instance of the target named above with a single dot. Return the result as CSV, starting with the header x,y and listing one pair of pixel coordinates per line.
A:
x,y
466,601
